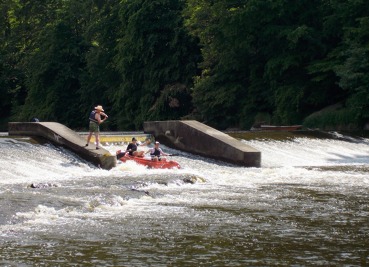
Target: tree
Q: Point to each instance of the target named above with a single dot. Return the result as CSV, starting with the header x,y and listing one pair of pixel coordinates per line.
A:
x,y
353,72
100,78
6,81
54,76
258,57
155,55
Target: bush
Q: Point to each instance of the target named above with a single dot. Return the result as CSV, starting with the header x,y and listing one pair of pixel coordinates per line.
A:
x,y
342,119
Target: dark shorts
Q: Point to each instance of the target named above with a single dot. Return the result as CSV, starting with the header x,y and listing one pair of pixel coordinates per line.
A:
x,y
153,156
121,154
94,127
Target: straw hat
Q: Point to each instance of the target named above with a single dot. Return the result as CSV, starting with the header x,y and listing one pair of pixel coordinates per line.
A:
x,y
99,108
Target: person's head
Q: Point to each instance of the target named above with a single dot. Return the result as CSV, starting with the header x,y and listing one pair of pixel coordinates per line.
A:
x,y
134,139
99,108
157,143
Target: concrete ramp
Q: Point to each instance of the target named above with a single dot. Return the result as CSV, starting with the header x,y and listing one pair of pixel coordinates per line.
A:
x,y
197,138
61,135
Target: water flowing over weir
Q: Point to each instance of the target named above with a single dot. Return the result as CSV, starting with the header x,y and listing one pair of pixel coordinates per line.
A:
x,y
306,205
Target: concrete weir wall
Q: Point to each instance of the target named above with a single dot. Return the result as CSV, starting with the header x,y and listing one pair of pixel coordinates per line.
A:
x,y
198,138
61,135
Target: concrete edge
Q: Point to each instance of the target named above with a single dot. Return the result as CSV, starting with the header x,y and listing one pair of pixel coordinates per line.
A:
x,y
61,135
198,138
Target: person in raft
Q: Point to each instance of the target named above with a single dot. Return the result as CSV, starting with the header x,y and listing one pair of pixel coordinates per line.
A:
x,y
95,121
132,148
156,152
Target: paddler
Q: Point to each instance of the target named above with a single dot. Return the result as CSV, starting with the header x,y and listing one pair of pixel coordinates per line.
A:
x,y
156,152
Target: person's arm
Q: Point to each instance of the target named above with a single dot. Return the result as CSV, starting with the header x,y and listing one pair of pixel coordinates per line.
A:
x,y
162,152
98,118
147,142
144,143
129,148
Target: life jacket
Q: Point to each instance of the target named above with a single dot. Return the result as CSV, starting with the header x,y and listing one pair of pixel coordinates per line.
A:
x,y
92,116
133,148
155,153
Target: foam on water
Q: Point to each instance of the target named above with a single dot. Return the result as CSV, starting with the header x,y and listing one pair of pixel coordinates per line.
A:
x,y
311,152
22,162
281,161
93,195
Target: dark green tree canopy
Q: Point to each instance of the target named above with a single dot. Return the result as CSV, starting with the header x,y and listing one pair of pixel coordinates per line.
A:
x,y
228,63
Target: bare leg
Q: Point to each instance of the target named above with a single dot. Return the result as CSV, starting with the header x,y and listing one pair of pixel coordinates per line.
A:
x,y
138,153
88,138
97,138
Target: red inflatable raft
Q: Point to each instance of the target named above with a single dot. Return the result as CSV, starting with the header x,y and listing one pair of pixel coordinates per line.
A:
x,y
160,164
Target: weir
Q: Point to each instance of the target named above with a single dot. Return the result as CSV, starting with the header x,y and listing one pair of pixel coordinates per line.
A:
x,y
63,136
117,138
190,136
198,138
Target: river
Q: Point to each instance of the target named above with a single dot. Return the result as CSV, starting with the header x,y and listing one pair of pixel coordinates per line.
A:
x,y
307,205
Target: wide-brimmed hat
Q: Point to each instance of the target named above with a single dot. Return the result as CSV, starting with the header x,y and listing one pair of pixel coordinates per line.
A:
x,y
99,107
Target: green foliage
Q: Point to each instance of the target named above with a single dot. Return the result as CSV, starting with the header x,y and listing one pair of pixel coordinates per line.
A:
x,y
154,52
255,54
100,79
288,101
340,118
174,101
54,83
354,70
220,90
259,56
5,82
228,63
54,77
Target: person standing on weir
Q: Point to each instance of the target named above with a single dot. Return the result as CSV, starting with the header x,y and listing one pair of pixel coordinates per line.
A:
x,y
95,121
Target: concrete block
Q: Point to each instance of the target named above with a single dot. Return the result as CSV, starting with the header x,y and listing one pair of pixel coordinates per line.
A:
x,y
63,136
198,138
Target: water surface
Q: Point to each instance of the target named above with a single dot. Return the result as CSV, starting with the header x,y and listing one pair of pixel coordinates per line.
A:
x,y
307,205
